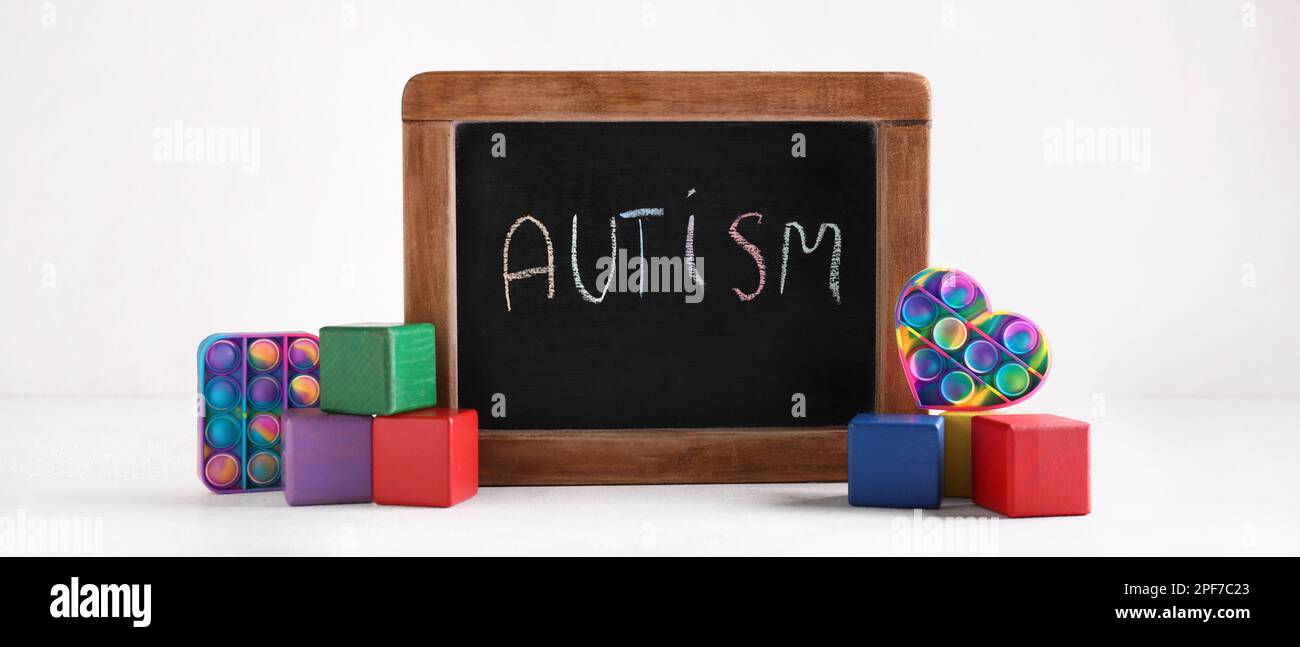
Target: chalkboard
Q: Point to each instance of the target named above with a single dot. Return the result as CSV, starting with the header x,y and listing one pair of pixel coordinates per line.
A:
x,y
648,388
778,219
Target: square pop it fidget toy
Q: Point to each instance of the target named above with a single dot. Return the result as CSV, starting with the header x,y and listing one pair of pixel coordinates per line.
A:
x,y
247,382
960,356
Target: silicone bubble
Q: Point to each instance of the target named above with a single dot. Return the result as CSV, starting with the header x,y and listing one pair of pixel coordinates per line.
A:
x,y
957,291
304,391
222,393
222,431
221,470
919,311
304,354
264,392
1012,379
263,468
263,355
926,364
1020,337
264,430
982,356
950,333
222,356
957,387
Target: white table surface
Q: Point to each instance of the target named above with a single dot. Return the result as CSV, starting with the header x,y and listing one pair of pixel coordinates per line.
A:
x,y
1170,477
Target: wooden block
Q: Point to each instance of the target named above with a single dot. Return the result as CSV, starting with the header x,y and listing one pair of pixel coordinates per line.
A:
x,y
896,461
956,452
426,458
378,369
1030,465
326,458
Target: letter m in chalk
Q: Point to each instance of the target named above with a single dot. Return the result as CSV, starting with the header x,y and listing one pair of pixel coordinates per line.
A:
x,y
803,243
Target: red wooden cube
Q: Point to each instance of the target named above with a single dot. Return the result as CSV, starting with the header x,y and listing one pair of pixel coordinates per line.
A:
x,y
1030,465
427,457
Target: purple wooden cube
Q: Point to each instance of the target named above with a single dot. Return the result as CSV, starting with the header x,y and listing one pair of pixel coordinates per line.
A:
x,y
326,458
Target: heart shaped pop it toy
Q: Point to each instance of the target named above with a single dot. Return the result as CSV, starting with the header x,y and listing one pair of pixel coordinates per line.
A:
x,y
958,355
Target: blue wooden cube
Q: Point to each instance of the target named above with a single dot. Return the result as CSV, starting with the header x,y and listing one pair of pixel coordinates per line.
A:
x,y
896,461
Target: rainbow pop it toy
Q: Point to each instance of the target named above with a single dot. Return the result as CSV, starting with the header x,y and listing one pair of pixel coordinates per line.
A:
x,y
959,356
247,382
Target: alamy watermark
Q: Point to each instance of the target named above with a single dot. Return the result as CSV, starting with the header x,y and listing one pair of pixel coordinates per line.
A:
x,y
182,143
637,274
77,600
1249,276
36,534
936,535
1073,143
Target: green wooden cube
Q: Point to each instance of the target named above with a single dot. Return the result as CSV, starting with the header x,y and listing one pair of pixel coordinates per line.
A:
x,y
377,369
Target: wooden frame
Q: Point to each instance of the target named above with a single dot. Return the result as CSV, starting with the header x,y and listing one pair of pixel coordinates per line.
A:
x,y
897,103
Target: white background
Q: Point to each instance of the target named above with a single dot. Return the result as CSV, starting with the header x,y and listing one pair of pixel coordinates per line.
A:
x,y
1173,282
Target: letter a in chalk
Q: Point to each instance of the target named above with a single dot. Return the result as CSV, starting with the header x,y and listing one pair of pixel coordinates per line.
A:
x,y
548,269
